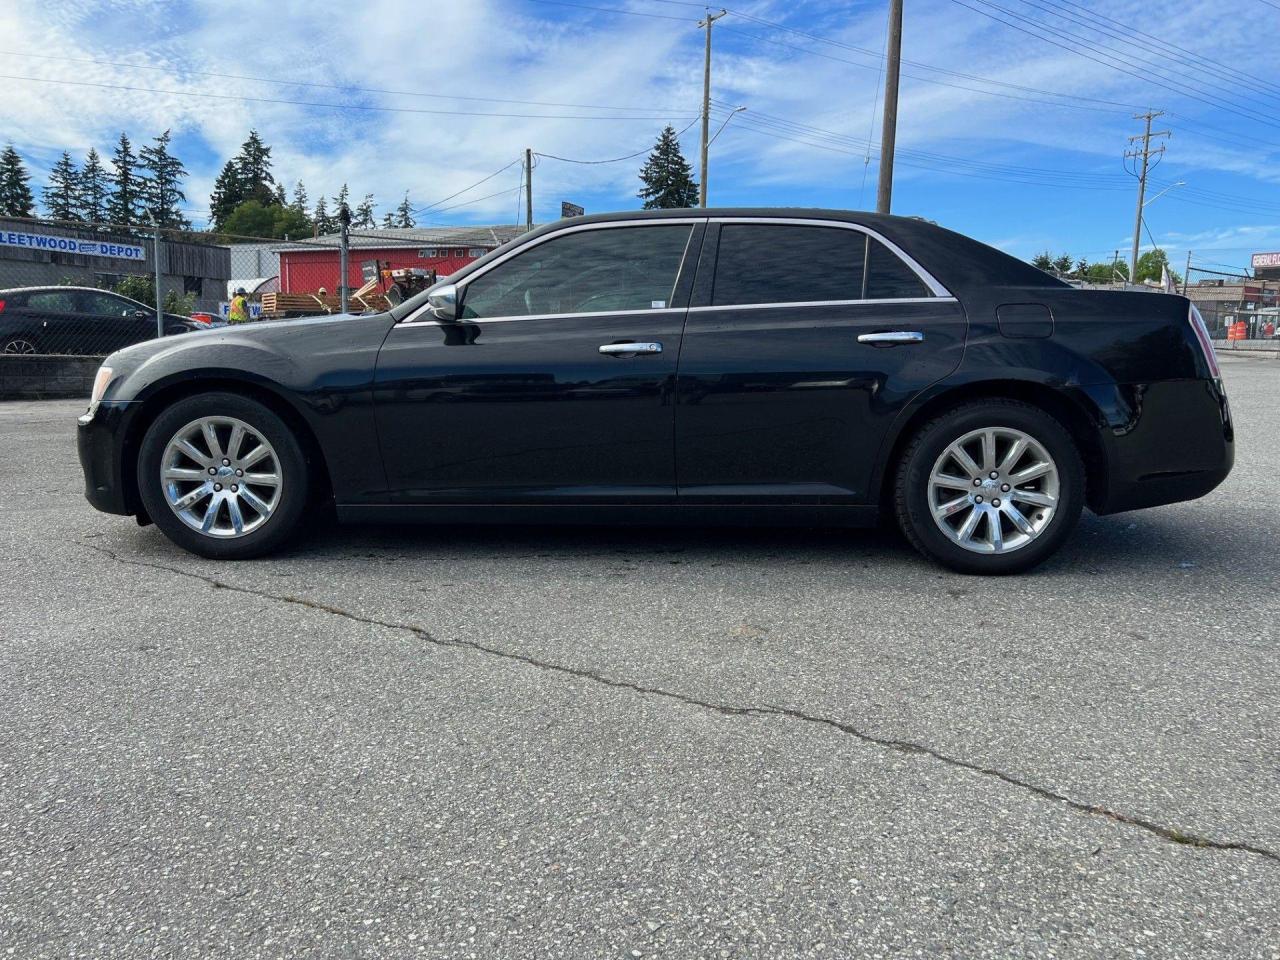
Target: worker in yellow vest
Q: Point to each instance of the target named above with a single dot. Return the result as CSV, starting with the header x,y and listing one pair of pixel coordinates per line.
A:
x,y
239,307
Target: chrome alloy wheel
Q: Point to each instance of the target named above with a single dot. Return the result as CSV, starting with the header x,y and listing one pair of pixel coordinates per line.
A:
x,y
221,477
21,346
993,490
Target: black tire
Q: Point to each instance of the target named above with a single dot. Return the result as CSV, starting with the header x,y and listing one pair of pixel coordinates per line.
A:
x,y
912,496
295,478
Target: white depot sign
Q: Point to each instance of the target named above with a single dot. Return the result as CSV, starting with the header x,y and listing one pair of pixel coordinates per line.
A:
x,y
84,248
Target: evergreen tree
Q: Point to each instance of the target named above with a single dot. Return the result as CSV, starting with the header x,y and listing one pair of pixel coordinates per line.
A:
x,y
15,195
363,214
388,220
299,197
253,163
320,218
228,194
278,199
125,204
1043,261
95,189
62,195
163,186
340,198
667,176
404,213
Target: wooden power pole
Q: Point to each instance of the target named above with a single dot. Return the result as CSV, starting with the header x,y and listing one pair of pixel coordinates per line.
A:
x,y
706,103
528,188
889,132
1143,157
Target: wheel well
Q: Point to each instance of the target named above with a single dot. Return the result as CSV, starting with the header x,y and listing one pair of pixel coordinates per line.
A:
x,y
165,397
1066,411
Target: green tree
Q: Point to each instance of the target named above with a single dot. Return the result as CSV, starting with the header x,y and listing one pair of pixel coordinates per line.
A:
x,y
404,213
1112,272
253,163
278,197
228,193
125,203
321,219
1063,264
1043,261
362,216
299,198
388,220
15,194
1150,264
667,177
340,198
62,195
138,287
250,219
95,189
290,223
162,191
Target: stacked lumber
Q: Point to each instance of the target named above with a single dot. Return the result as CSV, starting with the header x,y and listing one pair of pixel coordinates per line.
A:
x,y
302,304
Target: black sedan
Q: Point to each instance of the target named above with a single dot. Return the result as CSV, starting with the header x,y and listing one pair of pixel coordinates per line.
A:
x,y
725,366
83,321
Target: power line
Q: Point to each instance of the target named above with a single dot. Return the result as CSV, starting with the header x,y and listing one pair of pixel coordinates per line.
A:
x,y
332,106
629,13
466,189
630,156
170,69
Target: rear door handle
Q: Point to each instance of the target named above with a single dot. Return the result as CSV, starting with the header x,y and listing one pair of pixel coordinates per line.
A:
x,y
629,349
891,337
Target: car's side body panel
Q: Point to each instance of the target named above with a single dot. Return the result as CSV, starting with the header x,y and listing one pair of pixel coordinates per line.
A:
x,y
774,413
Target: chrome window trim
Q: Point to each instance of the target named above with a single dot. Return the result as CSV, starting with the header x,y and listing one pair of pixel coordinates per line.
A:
x,y
936,288
549,316
576,228
940,293
791,304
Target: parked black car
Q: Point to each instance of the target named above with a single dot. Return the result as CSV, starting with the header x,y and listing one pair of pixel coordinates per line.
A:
x,y
83,321
741,366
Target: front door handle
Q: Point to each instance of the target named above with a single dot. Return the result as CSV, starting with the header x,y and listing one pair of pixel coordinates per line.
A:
x,y
888,338
629,349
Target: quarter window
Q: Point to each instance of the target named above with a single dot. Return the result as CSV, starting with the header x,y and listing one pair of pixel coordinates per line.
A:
x,y
589,271
888,278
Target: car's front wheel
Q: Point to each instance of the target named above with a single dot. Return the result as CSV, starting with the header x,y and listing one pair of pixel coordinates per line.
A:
x,y
223,476
992,487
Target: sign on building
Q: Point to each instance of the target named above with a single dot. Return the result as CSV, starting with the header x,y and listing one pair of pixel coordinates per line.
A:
x,y
568,209
83,248
255,310
1266,260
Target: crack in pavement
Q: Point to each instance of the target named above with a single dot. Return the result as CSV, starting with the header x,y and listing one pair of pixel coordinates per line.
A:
x,y
1171,834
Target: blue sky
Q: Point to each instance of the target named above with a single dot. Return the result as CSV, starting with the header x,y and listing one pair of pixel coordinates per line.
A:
x,y
1013,138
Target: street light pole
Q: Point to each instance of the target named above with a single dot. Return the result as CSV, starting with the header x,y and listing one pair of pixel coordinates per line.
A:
x,y
706,103
889,132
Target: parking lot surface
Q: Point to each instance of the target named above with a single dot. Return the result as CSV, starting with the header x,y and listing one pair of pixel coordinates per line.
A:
x,y
486,742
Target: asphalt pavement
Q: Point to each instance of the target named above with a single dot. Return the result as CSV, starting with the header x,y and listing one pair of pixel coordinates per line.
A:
x,y
486,742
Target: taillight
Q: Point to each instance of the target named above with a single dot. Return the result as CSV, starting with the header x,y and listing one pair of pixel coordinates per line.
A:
x,y
1206,345
202,318
1,306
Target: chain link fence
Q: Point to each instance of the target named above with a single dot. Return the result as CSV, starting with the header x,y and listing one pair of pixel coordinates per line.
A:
x,y
82,289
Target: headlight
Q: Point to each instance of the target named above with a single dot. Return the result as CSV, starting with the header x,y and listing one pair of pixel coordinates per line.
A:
x,y
99,387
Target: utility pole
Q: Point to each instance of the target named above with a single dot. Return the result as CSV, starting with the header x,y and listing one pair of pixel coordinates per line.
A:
x,y
706,103
344,246
889,132
155,255
1186,275
1144,155
528,188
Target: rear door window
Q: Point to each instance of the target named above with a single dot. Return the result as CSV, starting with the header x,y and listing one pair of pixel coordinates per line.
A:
x,y
52,301
590,271
787,263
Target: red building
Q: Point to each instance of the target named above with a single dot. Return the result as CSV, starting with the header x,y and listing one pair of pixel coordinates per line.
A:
x,y
307,266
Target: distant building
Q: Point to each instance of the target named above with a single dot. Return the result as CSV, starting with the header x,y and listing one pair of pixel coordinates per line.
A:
x,y
307,266
1228,300
36,254
1266,266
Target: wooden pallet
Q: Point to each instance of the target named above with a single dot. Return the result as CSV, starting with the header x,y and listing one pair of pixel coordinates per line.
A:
x,y
301,304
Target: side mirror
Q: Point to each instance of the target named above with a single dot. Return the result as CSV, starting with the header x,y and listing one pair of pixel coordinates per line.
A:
x,y
442,301
143,314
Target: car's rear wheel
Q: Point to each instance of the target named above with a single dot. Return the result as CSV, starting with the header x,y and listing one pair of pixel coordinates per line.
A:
x,y
223,476
991,487
18,345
